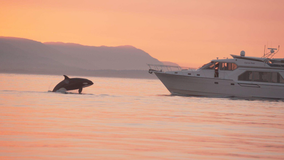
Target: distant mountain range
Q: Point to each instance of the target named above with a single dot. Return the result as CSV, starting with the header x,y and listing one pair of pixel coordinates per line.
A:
x,y
18,55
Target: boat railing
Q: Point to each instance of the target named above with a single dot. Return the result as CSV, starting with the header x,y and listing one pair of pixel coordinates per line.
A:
x,y
165,68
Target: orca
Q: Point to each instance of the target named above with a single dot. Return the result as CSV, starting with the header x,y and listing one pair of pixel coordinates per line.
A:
x,y
72,84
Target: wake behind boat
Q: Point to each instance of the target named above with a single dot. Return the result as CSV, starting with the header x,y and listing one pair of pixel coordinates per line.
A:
x,y
240,76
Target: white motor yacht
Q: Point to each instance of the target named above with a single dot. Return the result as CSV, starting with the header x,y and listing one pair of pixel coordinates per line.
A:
x,y
240,76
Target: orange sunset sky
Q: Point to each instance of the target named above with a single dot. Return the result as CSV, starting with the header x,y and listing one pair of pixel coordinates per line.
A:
x,y
188,32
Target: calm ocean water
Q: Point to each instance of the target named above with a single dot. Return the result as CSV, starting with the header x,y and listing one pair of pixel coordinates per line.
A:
x,y
126,119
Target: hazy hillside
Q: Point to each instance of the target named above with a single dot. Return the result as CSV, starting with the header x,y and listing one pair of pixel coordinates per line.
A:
x,y
28,56
169,63
118,58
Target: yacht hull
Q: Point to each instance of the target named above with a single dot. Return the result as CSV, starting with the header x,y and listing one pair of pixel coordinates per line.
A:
x,y
216,87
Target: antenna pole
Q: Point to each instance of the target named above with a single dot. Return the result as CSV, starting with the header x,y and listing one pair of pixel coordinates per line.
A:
x,y
264,51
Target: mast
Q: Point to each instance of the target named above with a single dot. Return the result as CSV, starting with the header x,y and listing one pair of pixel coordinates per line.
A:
x,y
271,53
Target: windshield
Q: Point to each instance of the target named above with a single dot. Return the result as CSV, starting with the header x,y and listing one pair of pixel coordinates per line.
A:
x,y
209,65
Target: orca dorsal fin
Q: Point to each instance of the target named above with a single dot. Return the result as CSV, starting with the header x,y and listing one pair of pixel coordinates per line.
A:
x,y
66,77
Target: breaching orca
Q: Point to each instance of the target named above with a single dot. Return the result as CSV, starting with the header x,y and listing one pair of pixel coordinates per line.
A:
x,y
72,83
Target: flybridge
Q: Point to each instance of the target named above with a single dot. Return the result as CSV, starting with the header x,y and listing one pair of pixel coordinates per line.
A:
x,y
266,58
249,58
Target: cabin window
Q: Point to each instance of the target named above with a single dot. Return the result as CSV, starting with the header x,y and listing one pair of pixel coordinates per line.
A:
x,y
209,66
228,66
246,76
270,77
281,79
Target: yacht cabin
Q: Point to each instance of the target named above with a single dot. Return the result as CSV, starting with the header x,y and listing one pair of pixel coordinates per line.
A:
x,y
241,69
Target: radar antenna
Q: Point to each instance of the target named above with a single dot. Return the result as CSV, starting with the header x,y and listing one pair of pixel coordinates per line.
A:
x,y
271,52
